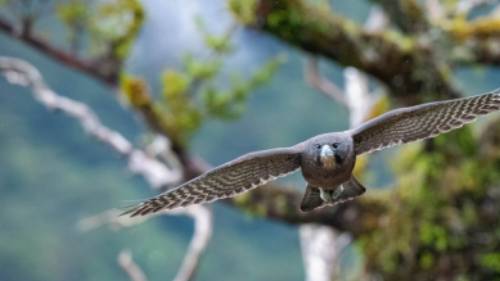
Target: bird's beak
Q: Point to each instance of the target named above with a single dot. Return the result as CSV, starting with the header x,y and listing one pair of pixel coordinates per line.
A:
x,y
327,156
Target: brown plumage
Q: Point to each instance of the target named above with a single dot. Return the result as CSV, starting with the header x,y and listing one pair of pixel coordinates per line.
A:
x,y
326,160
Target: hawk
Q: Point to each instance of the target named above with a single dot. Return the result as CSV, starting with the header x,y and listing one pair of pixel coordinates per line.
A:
x,y
327,160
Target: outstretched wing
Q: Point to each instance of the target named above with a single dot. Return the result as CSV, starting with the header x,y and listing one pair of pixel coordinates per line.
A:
x,y
242,174
422,121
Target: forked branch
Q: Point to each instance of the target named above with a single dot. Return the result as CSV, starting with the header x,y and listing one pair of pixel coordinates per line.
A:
x,y
156,173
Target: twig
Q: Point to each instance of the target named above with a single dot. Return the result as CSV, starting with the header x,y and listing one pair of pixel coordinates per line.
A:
x,y
323,85
342,217
22,73
130,267
161,148
91,68
203,228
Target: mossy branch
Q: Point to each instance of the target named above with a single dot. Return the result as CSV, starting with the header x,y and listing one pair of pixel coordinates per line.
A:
x,y
408,15
400,61
475,41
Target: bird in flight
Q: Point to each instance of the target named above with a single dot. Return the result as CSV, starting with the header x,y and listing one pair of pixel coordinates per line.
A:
x,y
326,161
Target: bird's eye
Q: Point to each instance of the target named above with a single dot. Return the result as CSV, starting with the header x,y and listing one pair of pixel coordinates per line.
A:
x,y
335,145
317,146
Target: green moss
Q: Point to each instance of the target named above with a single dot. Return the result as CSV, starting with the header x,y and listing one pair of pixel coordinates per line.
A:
x,y
491,261
180,112
116,25
426,260
437,211
73,13
175,85
243,10
135,90
281,203
243,199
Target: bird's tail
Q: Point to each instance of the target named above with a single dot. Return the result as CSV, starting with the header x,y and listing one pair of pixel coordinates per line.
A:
x,y
350,190
311,200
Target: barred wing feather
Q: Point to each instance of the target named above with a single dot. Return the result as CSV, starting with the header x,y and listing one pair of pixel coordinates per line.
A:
x,y
422,121
242,174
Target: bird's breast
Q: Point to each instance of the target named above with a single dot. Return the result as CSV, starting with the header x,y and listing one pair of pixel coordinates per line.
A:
x,y
328,162
328,173
325,177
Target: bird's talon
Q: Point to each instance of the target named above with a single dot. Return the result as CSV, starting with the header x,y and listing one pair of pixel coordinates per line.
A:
x,y
337,192
325,195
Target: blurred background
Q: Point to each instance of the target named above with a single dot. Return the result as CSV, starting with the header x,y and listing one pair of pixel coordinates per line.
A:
x,y
221,78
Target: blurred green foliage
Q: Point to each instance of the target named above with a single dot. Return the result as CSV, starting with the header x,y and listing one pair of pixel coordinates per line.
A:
x,y
444,208
439,211
243,10
193,95
111,26
52,175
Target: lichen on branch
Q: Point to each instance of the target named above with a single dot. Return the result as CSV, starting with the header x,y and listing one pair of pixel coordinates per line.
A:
x,y
399,61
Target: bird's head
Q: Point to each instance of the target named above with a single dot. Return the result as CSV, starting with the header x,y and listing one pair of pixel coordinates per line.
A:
x,y
328,155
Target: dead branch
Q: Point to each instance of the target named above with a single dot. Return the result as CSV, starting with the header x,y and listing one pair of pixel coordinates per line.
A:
x,y
88,67
22,73
345,217
203,228
356,97
128,265
264,198
323,85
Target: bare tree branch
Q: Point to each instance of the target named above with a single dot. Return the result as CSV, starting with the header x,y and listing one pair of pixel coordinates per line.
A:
x,y
323,85
130,267
341,217
265,201
203,228
356,97
22,73
264,198
91,68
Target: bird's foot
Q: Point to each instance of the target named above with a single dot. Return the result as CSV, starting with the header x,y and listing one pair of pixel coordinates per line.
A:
x,y
325,195
331,196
